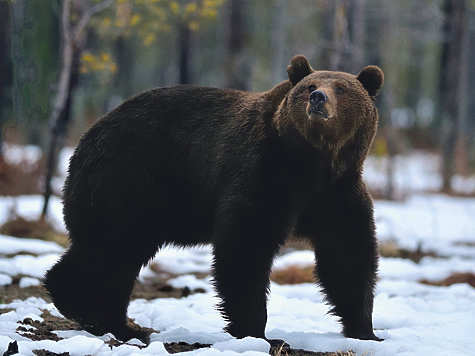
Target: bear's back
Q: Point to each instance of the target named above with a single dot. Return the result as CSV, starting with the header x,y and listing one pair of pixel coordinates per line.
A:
x,y
164,151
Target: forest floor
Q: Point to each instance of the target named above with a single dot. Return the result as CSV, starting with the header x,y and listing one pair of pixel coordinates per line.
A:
x,y
44,330
424,300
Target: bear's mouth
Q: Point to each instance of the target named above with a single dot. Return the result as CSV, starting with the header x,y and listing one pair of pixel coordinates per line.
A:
x,y
315,110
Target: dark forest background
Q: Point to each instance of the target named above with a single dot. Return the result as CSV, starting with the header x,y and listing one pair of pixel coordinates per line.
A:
x,y
65,63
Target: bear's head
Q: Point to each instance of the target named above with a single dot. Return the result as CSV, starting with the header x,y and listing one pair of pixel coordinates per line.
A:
x,y
334,111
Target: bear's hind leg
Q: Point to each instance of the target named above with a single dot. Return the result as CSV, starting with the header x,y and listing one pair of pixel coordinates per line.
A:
x,y
93,285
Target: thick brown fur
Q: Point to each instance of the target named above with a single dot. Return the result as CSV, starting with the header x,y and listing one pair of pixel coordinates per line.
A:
x,y
189,165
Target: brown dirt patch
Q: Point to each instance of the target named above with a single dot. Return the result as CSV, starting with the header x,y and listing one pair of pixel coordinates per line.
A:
x,y
43,330
6,310
390,249
21,178
293,275
175,347
158,288
280,351
150,291
13,291
455,278
42,352
12,349
41,229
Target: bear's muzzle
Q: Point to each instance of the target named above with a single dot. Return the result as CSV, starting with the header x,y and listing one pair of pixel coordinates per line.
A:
x,y
316,106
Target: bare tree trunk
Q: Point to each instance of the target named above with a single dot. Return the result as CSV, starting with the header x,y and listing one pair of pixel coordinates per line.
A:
x,y
324,49
59,129
358,35
58,119
389,12
123,55
123,81
60,115
454,30
184,46
341,38
279,43
4,28
5,73
462,146
237,69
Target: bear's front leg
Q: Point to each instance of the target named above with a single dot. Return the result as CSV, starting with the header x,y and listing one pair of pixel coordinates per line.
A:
x,y
243,256
341,226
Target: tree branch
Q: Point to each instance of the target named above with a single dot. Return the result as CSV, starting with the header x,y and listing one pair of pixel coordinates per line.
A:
x,y
87,16
65,24
67,58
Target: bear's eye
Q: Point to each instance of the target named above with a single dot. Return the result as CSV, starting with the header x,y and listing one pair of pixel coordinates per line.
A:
x,y
339,90
312,88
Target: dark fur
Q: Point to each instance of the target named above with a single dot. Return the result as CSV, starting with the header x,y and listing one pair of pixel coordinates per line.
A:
x,y
187,165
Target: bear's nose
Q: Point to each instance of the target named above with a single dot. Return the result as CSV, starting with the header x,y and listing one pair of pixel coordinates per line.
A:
x,y
318,97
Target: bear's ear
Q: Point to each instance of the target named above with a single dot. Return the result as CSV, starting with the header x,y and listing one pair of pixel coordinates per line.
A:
x,y
372,79
298,69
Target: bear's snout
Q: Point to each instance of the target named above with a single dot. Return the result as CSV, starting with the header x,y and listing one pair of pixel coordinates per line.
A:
x,y
318,98
317,102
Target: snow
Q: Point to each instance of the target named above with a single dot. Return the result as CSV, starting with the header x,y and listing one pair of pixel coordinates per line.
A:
x,y
413,318
29,282
29,207
414,172
5,279
34,266
243,345
12,245
191,282
15,154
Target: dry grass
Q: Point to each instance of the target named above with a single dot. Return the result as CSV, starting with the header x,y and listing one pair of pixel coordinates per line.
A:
x,y
22,178
293,275
18,226
391,249
455,278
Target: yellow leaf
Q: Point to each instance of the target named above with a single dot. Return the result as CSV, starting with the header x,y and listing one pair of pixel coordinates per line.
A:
x,y
88,57
134,20
149,39
99,66
175,7
105,57
194,26
209,13
106,22
380,147
191,7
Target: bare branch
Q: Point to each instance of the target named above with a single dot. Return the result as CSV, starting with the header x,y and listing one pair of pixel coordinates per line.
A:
x,y
65,24
60,100
87,16
67,59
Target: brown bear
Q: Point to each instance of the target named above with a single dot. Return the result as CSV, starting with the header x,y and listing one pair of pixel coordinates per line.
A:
x,y
189,165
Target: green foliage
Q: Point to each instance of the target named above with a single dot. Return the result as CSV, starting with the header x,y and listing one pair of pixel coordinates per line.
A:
x,y
148,18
